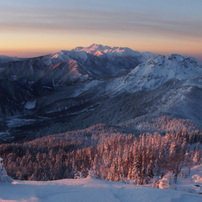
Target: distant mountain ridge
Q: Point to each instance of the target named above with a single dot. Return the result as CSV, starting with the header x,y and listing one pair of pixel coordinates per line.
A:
x,y
102,84
5,59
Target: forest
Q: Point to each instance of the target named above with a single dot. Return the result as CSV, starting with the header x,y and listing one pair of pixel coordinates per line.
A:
x,y
105,153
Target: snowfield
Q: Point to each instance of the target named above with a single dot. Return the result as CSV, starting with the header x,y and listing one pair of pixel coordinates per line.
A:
x,y
91,190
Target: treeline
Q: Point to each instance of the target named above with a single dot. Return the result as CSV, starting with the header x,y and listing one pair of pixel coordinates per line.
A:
x,y
107,155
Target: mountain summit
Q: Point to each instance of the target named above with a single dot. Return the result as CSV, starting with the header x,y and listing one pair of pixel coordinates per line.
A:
x,y
98,50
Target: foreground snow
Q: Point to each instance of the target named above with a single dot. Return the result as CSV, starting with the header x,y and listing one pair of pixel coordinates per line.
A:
x,y
91,189
88,190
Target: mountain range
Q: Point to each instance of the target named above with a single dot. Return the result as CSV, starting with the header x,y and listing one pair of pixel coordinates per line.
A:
x,y
71,90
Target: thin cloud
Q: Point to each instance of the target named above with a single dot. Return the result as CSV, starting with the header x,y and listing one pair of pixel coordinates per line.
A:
x,y
97,21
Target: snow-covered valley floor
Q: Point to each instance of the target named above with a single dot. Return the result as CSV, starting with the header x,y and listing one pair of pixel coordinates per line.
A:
x,y
94,190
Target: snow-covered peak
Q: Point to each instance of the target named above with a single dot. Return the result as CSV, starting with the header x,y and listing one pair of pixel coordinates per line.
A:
x,y
172,66
98,50
92,48
158,70
64,56
61,55
55,58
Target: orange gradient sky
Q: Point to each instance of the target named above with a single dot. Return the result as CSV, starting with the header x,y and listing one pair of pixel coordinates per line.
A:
x,y
39,27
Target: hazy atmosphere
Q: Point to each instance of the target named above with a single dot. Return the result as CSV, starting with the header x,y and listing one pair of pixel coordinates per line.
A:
x,y
32,28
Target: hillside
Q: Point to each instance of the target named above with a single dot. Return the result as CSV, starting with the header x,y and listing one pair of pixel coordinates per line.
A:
x,y
99,84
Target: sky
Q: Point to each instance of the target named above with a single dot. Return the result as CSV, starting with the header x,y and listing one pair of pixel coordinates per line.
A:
x,y
36,27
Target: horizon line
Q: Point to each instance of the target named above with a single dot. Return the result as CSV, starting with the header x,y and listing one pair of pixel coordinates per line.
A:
x,y
39,53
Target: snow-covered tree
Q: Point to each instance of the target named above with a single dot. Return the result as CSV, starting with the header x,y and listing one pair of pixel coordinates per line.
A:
x,y
197,157
112,156
3,174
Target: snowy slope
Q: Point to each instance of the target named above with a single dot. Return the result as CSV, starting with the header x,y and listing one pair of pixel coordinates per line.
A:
x,y
91,190
4,59
192,183
157,71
